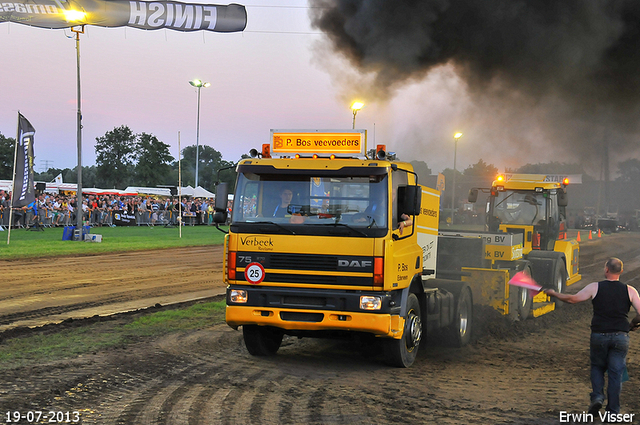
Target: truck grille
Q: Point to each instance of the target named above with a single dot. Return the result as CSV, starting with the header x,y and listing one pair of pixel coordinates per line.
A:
x,y
304,301
286,268
304,262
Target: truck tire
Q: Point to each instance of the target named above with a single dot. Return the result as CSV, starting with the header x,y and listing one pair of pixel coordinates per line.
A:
x,y
521,299
262,340
402,352
559,281
459,332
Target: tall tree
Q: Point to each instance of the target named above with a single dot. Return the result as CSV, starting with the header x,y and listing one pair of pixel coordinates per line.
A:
x,y
629,170
210,163
7,148
422,170
89,176
481,171
153,161
49,175
115,154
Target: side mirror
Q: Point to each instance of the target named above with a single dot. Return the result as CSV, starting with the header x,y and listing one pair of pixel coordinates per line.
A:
x,y
220,217
473,195
409,200
222,196
563,199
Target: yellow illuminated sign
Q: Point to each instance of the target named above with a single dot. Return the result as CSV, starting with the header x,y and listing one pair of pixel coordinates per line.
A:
x,y
317,141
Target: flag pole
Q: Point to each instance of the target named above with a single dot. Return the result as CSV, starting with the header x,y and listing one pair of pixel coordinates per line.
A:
x,y
13,180
179,189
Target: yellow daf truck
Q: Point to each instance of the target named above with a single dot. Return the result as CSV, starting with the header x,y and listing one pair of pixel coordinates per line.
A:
x,y
325,242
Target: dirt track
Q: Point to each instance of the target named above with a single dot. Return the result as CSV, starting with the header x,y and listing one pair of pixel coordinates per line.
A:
x,y
517,373
42,291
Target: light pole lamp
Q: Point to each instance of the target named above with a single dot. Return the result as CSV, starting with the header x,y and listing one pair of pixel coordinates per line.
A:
x,y
455,154
199,84
355,108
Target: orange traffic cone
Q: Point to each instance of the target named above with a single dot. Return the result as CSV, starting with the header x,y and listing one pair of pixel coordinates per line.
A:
x,y
599,233
590,232
578,237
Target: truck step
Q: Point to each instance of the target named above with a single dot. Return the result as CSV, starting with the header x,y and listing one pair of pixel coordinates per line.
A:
x,y
540,308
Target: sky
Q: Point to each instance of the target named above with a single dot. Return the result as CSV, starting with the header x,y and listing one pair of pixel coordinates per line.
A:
x,y
277,74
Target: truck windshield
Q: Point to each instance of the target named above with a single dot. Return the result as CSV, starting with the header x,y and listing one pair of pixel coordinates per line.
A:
x,y
519,207
312,204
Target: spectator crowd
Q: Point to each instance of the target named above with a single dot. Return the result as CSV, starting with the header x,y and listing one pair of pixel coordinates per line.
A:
x,y
52,210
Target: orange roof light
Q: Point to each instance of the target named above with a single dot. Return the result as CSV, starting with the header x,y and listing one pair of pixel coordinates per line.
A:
x,y
500,178
565,181
266,150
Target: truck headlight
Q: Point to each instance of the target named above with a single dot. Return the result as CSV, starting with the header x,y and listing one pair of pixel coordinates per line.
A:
x,y
238,296
368,302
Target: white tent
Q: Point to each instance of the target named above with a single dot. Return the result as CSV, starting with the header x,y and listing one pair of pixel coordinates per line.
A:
x,y
201,192
159,191
187,191
198,192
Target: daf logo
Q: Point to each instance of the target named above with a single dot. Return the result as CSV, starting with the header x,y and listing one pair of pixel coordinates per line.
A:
x,y
354,263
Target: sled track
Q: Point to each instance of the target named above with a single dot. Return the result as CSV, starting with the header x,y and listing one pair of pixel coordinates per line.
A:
x,y
519,373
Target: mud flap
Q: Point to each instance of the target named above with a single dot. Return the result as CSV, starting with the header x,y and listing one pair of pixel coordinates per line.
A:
x,y
489,287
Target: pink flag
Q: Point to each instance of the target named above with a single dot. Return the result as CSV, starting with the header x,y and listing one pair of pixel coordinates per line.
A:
x,y
525,281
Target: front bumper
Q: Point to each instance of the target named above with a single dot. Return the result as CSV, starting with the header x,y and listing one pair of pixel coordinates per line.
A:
x,y
304,310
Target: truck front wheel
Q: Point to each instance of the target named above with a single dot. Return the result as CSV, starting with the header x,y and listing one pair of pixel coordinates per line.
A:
x,y
262,340
402,352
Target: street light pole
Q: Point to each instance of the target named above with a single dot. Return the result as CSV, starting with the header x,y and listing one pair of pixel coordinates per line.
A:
x,y
199,85
355,108
79,211
453,193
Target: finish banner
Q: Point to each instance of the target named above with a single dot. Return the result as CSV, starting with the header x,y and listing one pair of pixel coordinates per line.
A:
x,y
23,190
145,15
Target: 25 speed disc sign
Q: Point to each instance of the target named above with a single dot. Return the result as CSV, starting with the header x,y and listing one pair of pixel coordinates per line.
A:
x,y
254,273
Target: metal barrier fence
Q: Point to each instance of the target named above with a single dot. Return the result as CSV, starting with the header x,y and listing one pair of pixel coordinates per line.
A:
x,y
51,218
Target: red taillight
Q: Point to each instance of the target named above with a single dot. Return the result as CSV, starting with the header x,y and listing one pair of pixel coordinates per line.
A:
x,y
536,240
378,271
231,265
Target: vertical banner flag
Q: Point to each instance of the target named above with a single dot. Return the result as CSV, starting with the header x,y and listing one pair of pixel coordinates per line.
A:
x,y
23,190
145,15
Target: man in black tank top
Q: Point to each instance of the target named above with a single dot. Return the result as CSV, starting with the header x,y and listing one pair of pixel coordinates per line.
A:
x,y
610,328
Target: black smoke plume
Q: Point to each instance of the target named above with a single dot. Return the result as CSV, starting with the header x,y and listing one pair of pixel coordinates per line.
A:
x,y
577,59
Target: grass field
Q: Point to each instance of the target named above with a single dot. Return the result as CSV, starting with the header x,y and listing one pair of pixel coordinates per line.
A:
x,y
49,243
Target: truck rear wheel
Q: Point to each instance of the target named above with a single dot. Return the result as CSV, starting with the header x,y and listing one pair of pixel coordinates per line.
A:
x,y
402,352
521,299
460,330
262,340
559,281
